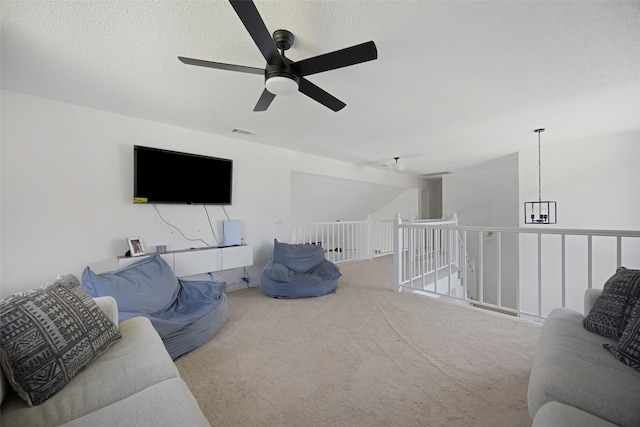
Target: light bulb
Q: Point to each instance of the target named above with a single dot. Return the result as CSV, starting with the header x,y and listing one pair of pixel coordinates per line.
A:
x,y
279,85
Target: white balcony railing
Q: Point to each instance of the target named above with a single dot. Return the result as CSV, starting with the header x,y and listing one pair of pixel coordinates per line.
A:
x,y
523,271
352,240
434,259
347,240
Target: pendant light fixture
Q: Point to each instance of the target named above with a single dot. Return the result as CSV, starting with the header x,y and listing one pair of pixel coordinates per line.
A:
x,y
542,211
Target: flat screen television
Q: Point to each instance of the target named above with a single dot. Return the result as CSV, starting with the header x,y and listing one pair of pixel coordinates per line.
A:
x,y
163,176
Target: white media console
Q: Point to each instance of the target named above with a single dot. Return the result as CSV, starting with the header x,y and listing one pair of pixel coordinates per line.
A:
x,y
189,262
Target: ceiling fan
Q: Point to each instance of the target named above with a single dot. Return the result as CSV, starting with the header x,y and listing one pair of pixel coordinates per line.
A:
x,y
396,167
283,76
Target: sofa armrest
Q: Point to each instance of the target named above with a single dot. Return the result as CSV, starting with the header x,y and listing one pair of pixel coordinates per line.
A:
x,y
109,306
590,297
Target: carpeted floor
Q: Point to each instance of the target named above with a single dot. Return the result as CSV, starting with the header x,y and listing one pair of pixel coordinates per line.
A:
x,y
364,356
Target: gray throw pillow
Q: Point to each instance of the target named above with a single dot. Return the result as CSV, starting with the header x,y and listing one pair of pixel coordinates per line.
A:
x,y
48,334
627,350
611,311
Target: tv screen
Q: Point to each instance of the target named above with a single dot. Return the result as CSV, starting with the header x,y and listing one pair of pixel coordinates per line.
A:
x,y
163,176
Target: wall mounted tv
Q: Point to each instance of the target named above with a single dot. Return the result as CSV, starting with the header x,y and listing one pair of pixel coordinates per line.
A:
x,y
163,176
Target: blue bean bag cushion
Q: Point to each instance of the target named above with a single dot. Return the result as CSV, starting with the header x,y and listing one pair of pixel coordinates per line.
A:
x,y
185,313
298,271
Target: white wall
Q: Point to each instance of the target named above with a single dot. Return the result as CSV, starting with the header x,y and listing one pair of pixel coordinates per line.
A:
x,y
405,204
320,198
595,181
595,184
431,199
488,196
67,188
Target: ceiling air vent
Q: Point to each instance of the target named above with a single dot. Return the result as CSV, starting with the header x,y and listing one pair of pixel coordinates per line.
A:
x,y
243,132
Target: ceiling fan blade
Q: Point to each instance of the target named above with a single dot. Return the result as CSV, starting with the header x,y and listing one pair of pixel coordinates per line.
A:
x,y
264,101
222,66
324,98
250,17
338,59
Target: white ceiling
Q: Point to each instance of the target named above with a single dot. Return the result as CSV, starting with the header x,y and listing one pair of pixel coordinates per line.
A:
x,y
455,83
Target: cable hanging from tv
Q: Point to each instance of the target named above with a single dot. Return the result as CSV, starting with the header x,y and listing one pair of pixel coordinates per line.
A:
x,y
188,238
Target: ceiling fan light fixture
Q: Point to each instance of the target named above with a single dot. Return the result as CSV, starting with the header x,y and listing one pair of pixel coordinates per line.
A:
x,y
279,85
396,167
282,75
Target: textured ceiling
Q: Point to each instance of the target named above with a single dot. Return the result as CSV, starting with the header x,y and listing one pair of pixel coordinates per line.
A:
x,y
455,83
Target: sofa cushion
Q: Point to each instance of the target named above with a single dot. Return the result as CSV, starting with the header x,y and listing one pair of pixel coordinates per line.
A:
x,y
611,311
301,258
134,363
146,286
48,335
168,403
627,350
572,367
556,414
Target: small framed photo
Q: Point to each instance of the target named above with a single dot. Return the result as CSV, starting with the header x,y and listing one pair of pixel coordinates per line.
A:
x,y
135,246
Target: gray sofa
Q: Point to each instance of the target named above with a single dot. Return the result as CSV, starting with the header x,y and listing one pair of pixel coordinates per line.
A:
x,y
575,381
133,383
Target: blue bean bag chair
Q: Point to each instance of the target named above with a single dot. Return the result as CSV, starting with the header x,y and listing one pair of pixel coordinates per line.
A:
x,y
298,271
185,313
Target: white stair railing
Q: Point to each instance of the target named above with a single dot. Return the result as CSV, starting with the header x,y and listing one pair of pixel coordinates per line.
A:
x,y
524,271
357,240
430,257
345,241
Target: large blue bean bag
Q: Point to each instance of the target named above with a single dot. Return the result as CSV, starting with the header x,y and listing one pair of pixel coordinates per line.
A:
x,y
185,313
298,271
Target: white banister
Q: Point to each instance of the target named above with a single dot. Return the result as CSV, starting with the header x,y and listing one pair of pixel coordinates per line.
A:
x,y
524,293
345,241
539,274
397,244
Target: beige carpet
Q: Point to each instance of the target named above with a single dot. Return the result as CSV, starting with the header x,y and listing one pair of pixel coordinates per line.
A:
x,y
364,356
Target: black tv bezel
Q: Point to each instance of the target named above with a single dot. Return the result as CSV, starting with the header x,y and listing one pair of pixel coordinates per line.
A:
x,y
145,200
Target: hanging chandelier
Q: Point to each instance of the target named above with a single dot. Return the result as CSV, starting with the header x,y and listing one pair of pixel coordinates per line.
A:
x,y
542,211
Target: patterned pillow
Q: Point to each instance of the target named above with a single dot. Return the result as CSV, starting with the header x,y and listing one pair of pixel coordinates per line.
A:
x,y
627,350
611,311
48,334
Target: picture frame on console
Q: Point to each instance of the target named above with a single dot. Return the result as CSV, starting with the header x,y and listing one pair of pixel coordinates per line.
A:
x,y
135,246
